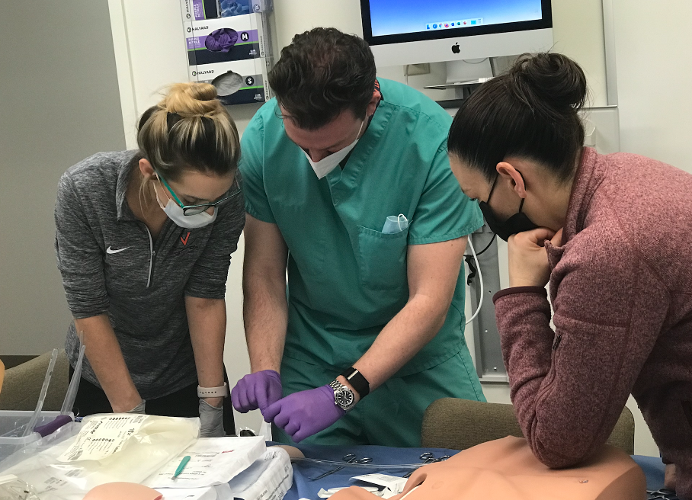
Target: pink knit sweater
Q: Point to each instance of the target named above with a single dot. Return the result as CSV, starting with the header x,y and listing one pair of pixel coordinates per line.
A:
x,y
621,290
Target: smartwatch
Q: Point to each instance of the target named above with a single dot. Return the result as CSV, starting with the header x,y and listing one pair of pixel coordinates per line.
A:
x,y
213,392
357,380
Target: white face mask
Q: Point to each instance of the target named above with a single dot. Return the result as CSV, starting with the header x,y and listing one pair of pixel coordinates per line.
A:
x,y
176,214
329,163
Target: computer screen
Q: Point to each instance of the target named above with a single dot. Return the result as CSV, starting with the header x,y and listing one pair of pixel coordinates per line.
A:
x,y
395,17
416,31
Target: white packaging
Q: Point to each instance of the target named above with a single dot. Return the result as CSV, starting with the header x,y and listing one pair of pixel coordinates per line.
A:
x,y
133,456
219,492
393,485
253,83
212,461
232,53
269,478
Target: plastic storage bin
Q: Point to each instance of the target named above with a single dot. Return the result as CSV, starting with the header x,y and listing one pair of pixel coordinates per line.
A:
x,y
12,425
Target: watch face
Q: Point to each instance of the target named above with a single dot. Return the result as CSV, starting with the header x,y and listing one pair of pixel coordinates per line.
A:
x,y
343,397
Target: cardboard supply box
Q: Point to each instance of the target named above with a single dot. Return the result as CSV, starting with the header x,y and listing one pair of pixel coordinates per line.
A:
x,y
195,10
227,39
237,82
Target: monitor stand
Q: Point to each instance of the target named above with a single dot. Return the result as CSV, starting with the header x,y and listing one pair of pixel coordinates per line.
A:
x,y
469,70
464,76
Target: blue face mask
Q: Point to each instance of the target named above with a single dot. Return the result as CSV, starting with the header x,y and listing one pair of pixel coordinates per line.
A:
x,y
395,224
517,223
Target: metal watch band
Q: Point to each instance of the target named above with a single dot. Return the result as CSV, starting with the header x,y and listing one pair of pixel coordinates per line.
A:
x,y
343,396
212,392
358,381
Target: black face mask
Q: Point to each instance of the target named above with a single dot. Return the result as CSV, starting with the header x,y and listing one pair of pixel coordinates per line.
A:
x,y
517,223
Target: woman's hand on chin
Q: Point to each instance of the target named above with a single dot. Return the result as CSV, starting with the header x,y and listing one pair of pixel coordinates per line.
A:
x,y
528,259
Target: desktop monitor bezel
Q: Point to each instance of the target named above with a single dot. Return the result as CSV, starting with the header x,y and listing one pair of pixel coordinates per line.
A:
x,y
491,40
545,22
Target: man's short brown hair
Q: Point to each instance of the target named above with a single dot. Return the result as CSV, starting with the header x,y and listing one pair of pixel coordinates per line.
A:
x,y
322,73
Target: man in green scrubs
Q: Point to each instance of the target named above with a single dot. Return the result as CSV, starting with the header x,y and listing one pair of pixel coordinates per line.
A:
x,y
348,188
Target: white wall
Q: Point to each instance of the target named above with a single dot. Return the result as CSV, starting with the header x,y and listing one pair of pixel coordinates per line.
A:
x,y
653,42
296,16
59,102
653,90
578,33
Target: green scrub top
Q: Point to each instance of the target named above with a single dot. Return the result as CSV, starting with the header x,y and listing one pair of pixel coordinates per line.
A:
x,y
347,279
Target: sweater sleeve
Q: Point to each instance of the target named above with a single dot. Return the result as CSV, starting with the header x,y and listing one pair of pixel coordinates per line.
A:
x,y
79,256
570,385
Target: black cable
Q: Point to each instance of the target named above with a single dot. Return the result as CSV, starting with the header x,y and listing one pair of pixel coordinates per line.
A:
x,y
487,246
472,269
469,261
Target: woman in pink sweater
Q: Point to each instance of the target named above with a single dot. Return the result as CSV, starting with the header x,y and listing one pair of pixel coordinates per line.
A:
x,y
612,235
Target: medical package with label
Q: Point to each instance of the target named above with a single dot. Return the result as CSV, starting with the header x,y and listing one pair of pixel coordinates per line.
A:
x,y
107,448
236,82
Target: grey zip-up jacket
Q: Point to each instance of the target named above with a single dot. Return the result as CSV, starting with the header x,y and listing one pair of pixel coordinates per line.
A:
x,y
111,264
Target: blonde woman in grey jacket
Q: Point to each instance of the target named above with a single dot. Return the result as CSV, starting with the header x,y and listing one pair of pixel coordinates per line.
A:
x,y
143,243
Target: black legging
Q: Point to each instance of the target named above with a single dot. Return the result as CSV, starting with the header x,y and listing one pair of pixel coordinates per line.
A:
x,y
182,403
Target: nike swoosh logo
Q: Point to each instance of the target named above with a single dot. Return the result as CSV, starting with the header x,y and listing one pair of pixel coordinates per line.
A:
x,y
110,251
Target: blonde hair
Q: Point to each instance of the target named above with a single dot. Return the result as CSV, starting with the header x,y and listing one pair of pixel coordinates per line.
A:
x,y
189,130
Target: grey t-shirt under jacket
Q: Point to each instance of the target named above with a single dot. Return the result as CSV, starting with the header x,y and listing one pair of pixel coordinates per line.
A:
x,y
110,263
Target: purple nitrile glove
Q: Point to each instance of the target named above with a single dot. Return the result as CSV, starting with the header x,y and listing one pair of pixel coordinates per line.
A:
x,y
53,425
257,390
305,413
221,40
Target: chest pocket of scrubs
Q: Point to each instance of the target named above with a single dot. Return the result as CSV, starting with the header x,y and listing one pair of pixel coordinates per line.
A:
x,y
382,258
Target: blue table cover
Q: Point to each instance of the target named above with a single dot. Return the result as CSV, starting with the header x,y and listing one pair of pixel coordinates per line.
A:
x,y
303,487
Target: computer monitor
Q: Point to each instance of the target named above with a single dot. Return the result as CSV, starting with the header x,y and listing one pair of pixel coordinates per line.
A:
x,y
404,32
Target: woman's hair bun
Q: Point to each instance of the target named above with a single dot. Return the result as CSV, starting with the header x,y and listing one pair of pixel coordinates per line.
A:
x,y
191,98
548,79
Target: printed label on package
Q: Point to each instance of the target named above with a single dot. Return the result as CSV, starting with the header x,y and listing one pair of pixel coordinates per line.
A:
x,y
102,436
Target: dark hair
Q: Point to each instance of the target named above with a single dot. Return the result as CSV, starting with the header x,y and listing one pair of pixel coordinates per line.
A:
x,y
529,112
322,73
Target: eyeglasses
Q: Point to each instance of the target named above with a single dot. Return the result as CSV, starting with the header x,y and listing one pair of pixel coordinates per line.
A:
x,y
201,207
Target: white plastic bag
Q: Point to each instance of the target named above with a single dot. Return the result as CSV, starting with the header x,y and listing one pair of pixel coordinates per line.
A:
x,y
13,488
109,448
